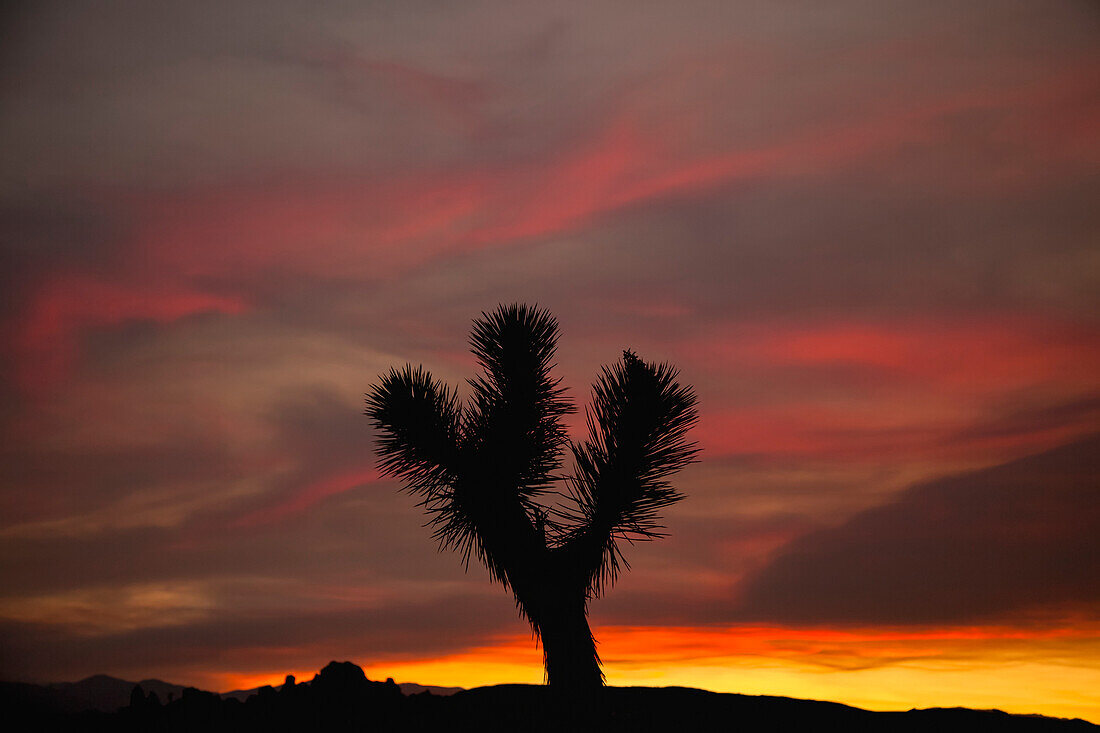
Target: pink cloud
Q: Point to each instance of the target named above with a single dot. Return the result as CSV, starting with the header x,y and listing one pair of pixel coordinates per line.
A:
x,y
839,433
46,337
871,377
372,227
308,496
982,354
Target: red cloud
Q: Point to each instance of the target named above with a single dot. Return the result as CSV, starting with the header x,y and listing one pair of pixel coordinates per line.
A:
x,y
378,226
963,366
308,496
46,337
984,354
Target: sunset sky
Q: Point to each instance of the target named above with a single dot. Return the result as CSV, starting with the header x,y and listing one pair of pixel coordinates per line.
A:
x,y
866,232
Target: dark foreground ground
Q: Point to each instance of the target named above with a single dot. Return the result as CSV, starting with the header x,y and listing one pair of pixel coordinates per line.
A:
x,y
340,698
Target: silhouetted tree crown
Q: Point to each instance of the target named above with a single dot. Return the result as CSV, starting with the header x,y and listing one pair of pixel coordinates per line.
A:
x,y
483,471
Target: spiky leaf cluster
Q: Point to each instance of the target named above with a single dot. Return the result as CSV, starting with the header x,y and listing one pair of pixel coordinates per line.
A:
x,y
514,419
418,422
637,425
481,470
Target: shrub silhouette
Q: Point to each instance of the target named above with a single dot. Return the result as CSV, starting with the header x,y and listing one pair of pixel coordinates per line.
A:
x,y
482,468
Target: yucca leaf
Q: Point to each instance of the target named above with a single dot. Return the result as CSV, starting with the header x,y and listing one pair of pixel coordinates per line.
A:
x,y
638,425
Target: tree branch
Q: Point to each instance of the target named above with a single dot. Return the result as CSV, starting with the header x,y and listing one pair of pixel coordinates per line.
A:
x,y
637,427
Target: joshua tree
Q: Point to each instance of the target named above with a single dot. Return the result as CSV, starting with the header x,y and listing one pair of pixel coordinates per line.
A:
x,y
482,469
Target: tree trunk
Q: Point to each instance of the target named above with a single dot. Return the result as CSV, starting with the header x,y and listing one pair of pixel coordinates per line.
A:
x,y
569,650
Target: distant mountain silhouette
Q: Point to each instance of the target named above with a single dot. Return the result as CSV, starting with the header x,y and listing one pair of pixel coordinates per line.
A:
x,y
341,698
411,688
100,693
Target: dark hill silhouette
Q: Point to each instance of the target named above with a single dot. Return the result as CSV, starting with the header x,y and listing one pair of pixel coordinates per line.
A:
x,y
407,688
341,698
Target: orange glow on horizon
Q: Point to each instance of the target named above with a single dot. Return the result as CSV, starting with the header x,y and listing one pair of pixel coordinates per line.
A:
x,y
1012,668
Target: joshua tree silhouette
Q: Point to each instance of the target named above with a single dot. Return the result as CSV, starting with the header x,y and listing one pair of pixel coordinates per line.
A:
x,y
481,470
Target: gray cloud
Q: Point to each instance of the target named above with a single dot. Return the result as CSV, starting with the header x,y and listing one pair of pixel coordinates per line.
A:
x,y
444,625
961,549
